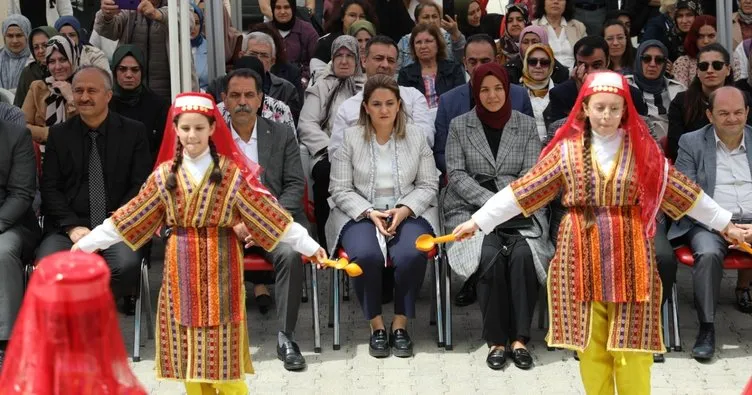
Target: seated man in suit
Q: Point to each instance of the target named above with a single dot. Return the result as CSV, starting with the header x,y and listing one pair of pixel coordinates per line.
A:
x,y
19,230
94,163
479,49
274,147
718,159
591,55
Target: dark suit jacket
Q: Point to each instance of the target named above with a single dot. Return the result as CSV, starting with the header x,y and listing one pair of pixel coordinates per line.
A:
x,y
18,178
127,164
697,160
279,157
457,102
563,97
448,76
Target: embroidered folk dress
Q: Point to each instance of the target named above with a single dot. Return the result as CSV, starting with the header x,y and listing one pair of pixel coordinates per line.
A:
x,y
201,323
608,261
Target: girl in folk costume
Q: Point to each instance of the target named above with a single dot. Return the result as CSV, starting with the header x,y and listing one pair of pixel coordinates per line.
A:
x,y
603,287
200,191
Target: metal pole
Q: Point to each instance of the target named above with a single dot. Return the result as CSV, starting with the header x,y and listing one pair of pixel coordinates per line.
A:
x,y
237,14
174,39
186,65
723,14
215,38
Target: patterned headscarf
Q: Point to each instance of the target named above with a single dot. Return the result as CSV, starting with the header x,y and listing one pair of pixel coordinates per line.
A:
x,y
55,101
12,64
538,88
509,45
346,86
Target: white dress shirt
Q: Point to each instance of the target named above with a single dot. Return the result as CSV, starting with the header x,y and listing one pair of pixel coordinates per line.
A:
x,y
503,205
563,49
416,110
105,235
733,182
249,149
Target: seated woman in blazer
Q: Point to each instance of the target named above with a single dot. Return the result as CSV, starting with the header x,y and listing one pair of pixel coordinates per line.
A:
x,y
383,195
488,148
432,73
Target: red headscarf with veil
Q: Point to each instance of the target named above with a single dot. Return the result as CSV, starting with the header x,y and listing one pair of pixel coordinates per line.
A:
x,y
651,165
202,103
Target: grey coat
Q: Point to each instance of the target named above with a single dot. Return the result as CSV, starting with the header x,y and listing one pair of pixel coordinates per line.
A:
x,y
697,160
468,156
352,180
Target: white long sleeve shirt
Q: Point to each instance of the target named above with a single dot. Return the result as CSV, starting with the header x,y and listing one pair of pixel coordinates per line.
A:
x,y
414,104
503,205
105,235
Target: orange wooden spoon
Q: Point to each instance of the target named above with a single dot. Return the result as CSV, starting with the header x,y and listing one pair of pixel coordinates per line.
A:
x,y
426,242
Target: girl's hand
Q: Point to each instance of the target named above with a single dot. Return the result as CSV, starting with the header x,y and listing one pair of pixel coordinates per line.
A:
x,y
319,257
465,230
734,234
75,248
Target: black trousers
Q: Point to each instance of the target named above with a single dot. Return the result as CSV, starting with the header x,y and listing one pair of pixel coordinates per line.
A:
x,y
320,175
507,289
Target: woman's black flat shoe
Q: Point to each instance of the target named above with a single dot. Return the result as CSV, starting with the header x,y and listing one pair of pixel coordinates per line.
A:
x,y
402,345
378,346
496,359
522,358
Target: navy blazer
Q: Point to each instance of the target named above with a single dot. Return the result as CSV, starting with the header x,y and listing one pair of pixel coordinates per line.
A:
x,y
563,97
457,102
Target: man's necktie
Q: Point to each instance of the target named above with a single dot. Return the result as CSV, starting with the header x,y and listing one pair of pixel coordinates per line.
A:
x,y
97,194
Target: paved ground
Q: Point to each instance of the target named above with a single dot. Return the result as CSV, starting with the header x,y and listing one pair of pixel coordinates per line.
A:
x,y
461,371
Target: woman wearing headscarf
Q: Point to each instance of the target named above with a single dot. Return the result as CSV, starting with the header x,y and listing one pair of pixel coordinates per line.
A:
x,y
487,149
741,28
514,22
299,36
340,81
15,53
36,65
649,76
702,34
70,27
472,18
50,102
363,31
350,12
199,47
537,70
533,35
672,25
133,99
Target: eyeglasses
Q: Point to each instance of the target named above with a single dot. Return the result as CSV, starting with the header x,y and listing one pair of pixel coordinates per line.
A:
x,y
717,65
259,55
647,59
543,62
39,47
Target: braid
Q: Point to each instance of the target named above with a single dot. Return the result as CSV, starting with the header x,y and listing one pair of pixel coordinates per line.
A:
x,y
172,179
216,174
586,142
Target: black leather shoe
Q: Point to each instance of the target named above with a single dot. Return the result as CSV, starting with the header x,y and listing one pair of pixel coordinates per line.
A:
x,y
289,353
467,294
496,359
522,358
659,358
402,345
744,300
263,301
129,305
704,348
378,346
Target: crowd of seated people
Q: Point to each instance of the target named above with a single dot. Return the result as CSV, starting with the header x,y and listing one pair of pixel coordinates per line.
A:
x,y
408,129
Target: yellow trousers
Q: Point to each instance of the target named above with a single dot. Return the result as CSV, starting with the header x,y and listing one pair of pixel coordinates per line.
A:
x,y
606,372
236,387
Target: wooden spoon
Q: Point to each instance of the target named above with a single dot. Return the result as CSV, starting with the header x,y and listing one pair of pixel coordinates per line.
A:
x,y
426,242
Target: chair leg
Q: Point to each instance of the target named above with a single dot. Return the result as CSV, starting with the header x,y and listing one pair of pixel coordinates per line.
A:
x,y
438,297
330,322
345,288
675,314
335,281
668,340
306,271
315,307
137,324
147,298
447,302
